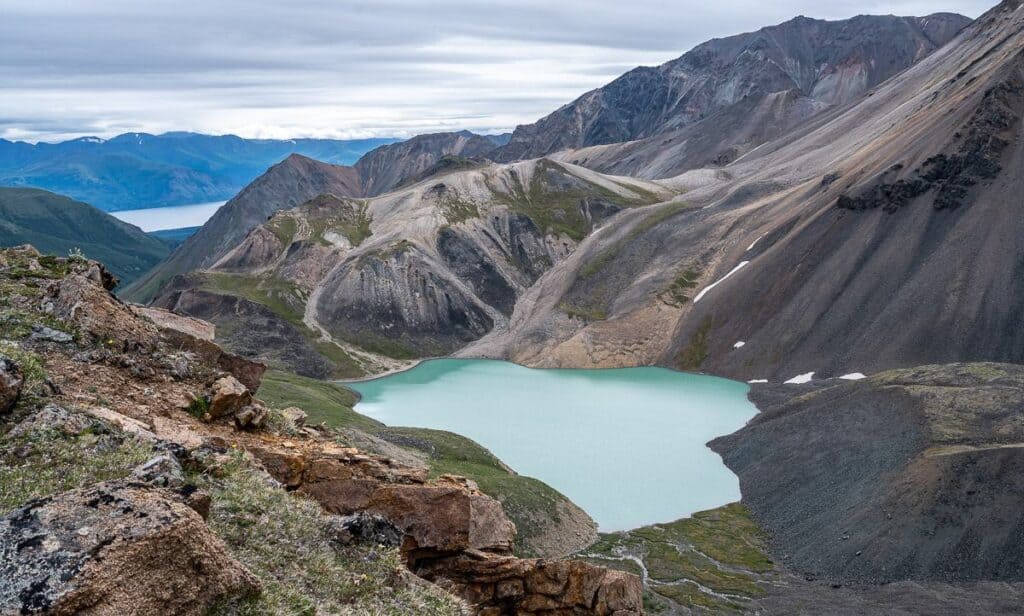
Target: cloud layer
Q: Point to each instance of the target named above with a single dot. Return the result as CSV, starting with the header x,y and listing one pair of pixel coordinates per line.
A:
x,y
347,68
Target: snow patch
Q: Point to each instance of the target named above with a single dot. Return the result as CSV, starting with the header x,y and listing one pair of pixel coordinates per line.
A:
x,y
854,376
719,281
800,379
754,381
739,344
751,247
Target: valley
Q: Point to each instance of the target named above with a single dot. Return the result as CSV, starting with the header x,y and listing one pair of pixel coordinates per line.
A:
x,y
738,333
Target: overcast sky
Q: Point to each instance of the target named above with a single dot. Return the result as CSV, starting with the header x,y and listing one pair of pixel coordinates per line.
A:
x,y
346,68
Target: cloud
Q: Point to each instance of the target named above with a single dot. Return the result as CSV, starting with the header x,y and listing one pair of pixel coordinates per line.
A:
x,y
346,68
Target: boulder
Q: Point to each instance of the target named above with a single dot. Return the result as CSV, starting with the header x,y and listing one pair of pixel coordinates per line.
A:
x,y
51,417
227,397
365,528
48,334
251,416
162,471
11,382
295,415
114,548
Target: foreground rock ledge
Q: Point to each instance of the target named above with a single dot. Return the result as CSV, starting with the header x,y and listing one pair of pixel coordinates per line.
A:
x,y
114,548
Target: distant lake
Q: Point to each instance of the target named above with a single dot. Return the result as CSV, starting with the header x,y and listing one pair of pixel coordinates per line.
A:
x,y
172,217
626,445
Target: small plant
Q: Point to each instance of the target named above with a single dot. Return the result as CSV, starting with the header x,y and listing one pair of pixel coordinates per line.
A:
x,y
76,254
199,407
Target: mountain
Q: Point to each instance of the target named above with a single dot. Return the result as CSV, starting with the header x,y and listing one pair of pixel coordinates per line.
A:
x,y
138,170
881,235
389,166
58,225
727,96
298,179
285,185
345,287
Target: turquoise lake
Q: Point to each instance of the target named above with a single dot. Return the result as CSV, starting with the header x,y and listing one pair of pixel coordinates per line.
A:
x,y
626,445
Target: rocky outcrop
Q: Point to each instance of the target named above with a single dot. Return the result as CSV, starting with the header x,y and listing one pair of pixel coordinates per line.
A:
x,y
82,298
112,549
11,382
453,534
506,585
165,319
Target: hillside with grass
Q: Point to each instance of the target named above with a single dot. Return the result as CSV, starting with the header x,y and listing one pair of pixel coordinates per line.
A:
x,y
57,225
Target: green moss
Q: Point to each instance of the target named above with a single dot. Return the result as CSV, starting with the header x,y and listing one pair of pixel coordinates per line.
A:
x,y
457,210
689,595
692,356
553,200
586,313
324,402
285,541
45,462
357,230
199,407
721,549
676,293
283,227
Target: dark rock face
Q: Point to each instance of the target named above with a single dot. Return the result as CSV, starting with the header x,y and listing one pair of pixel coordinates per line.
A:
x,y
828,62
909,475
11,382
975,156
113,548
470,263
388,167
265,336
400,302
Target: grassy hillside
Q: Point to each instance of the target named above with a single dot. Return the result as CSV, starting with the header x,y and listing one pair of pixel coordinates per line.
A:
x,y
55,224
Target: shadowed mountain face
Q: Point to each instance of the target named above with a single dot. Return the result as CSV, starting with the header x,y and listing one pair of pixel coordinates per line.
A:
x,y
298,179
914,474
744,89
57,225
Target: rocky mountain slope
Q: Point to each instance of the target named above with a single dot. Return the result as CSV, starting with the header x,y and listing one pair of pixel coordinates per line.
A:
x,y
727,96
915,474
347,287
139,170
298,179
58,225
882,235
138,471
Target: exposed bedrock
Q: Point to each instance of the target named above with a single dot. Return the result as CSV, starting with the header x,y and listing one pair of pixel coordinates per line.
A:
x,y
398,301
